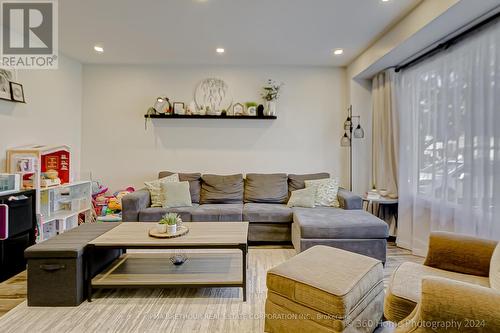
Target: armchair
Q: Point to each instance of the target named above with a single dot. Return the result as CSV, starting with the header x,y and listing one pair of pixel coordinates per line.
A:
x,y
453,306
458,285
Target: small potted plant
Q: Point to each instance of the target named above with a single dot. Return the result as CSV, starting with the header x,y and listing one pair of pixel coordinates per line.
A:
x,y
271,93
168,224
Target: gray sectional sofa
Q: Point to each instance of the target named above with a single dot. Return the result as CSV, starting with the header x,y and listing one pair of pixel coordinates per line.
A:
x,y
261,200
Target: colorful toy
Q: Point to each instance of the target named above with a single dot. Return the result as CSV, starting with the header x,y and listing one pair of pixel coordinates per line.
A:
x,y
108,208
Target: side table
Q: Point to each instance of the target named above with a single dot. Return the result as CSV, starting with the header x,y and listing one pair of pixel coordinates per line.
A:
x,y
386,208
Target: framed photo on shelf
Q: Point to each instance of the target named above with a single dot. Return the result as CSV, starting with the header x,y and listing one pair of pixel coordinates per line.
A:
x,y
238,109
17,92
179,108
6,76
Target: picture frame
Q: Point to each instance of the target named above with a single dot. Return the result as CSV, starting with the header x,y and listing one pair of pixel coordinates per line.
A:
x,y
238,109
6,76
179,108
17,92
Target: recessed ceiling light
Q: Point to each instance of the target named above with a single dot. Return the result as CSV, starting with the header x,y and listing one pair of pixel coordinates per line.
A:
x,y
220,50
338,51
99,49
385,0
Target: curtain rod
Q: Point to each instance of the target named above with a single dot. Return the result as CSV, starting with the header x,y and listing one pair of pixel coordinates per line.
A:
x,y
446,44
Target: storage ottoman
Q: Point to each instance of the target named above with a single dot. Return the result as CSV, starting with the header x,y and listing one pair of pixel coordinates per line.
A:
x,y
57,267
325,289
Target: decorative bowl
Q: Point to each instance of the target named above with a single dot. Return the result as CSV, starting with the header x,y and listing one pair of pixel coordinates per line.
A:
x,y
178,259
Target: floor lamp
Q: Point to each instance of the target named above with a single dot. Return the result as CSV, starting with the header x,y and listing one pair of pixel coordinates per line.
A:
x,y
349,133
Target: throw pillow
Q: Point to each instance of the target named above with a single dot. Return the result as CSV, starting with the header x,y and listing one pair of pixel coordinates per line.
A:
x,y
154,188
303,198
176,194
326,192
194,180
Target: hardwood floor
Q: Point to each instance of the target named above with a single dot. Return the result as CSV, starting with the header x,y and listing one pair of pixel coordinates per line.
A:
x,y
12,292
113,310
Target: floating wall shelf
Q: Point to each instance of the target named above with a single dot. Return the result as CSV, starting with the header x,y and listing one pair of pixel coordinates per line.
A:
x,y
199,116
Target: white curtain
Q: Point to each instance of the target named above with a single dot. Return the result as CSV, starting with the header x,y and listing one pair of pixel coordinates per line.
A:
x,y
449,169
385,138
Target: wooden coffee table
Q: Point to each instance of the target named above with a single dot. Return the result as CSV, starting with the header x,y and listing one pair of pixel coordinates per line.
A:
x,y
154,270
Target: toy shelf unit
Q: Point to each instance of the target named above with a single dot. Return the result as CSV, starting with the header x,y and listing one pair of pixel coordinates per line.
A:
x,y
40,165
64,207
61,203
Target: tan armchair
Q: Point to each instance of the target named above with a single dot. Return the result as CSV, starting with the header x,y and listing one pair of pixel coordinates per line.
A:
x,y
457,289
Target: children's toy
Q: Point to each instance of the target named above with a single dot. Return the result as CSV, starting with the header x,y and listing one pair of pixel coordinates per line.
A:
x,y
108,208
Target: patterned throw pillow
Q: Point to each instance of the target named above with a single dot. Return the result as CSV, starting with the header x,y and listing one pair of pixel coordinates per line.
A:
x,y
303,198
326,192
154,188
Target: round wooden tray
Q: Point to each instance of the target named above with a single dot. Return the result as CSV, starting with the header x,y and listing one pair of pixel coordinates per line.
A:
x,y
181,230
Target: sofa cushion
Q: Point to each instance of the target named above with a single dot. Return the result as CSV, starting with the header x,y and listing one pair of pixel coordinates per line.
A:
x,y
154,214
217,189
296,182
266,188
329,280
406,284
264,212
217,212
194,180
495,268
337,223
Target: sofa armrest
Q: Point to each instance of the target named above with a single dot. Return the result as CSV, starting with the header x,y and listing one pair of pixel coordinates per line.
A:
x,y
464,307
460,253
349,200
133,203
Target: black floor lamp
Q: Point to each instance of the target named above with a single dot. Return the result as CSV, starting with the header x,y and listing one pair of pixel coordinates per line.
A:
x,y
349,133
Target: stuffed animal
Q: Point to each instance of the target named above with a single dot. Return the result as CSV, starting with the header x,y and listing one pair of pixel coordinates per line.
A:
x,y
114,204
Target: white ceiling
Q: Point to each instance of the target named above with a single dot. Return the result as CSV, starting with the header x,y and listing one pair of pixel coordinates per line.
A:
x,y
253,32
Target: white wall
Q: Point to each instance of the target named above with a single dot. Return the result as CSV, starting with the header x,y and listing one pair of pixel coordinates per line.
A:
x,y
52,114
120,152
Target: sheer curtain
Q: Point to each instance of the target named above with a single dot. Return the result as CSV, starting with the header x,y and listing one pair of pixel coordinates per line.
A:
x,y
449,169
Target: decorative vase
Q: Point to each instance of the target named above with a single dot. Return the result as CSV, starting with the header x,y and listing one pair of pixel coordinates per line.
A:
x,y
171,229
271,108
162,228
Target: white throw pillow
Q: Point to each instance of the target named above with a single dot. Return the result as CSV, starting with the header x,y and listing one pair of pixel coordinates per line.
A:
x,y
176,194
154,188
326,192
303,198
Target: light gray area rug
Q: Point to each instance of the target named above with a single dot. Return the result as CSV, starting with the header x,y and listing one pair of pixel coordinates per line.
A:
x,y
169,310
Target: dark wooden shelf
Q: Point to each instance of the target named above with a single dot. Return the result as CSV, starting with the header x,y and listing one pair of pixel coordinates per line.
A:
x,y
199,116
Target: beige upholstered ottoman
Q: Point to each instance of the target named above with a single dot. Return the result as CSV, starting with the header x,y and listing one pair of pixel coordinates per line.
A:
x,y
325,289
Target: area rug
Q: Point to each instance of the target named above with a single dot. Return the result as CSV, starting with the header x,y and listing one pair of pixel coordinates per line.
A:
x,y
171,310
